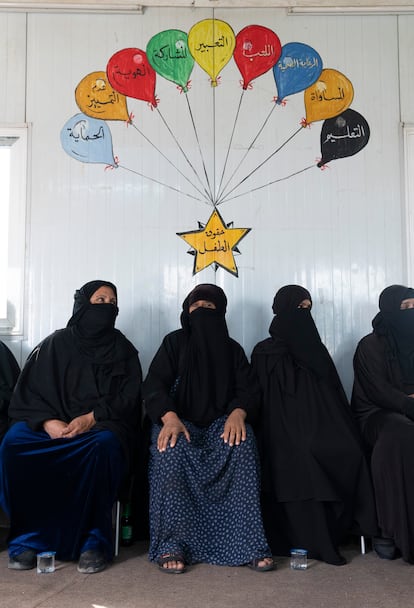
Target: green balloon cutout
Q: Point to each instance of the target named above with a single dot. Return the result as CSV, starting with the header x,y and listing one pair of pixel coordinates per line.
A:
x,y
168,54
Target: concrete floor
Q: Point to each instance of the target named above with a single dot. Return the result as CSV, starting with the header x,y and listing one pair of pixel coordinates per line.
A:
x,y
133,582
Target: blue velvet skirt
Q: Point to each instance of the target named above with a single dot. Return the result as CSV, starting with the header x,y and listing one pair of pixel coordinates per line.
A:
x,y
59,493
204,498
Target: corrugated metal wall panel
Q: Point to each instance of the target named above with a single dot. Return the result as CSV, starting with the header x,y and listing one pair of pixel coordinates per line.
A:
x,y
13,68
338,231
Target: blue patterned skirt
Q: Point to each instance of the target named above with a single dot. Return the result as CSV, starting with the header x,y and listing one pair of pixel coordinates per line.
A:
x,y
205,498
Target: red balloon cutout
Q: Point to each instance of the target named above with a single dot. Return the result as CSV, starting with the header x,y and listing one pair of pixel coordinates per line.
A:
x,y
130,73
257,50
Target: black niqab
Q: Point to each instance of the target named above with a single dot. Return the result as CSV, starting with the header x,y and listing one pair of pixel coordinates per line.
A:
x,y
398,327
295,329
207,292
288,298
206,368
93,325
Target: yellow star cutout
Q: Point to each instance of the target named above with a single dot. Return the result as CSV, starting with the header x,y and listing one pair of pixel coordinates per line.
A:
x,y
214,244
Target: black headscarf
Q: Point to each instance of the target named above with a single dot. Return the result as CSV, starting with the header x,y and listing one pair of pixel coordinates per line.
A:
x,y
93,325
207,292
398,327
296,329
206,368
288,298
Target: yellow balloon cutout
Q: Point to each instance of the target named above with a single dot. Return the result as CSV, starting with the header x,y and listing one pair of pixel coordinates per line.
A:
x,y
211,42
330,95
96,98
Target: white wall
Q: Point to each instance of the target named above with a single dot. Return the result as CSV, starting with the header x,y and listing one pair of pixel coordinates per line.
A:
x,y
339,232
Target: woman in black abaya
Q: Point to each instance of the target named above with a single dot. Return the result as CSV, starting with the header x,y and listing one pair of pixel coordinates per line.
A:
x,y
383,401
314,476
74,422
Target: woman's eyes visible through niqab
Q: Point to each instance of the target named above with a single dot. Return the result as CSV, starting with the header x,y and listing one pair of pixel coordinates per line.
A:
x,y
103,295
201,304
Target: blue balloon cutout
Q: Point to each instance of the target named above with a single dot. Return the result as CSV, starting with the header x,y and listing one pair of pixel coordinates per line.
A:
x,y
88,140
298,66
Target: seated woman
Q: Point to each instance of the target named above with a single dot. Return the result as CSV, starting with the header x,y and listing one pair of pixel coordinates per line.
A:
x,y
9,372
383,401
204,470
315,478
74,419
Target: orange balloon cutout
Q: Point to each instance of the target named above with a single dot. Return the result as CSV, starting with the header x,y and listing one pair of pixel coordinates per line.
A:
x,y
330,95
211,42
96,98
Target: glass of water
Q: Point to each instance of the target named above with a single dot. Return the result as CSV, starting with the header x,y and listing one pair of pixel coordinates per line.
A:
x,y
298,559
46,562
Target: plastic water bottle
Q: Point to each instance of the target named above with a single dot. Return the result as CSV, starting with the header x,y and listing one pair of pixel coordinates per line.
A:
x,y
126,526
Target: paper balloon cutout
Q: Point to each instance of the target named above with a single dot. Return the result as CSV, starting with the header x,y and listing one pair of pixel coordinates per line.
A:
x,y
96,98
257,50
169,55
298,67
330,95
130,73
88,140
342,136
211,43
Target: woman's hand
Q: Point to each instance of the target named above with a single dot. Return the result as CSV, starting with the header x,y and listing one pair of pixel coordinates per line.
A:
x,y
79,425
171,429
235,428
54,428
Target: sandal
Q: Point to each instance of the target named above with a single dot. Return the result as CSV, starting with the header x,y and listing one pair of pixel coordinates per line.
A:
x,y
254,564
171,557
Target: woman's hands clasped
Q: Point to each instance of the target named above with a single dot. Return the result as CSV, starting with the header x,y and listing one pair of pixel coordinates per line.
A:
x,y
57,429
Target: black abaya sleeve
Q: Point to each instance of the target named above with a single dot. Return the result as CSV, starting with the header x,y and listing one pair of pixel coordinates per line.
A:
x,y
246,386
162,374
375,387
9,372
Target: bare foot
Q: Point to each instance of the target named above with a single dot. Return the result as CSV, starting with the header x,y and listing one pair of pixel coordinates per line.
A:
x,y
174,565
266,561
171,564
263,564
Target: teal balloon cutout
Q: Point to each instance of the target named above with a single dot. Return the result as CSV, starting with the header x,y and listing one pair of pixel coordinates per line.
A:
x,y
88,140
168,54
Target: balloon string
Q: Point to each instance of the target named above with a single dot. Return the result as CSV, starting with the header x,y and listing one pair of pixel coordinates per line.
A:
x,y
229,146
223,198
199,147
206,193
156,181
281,179
167,159
222,193
213,92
